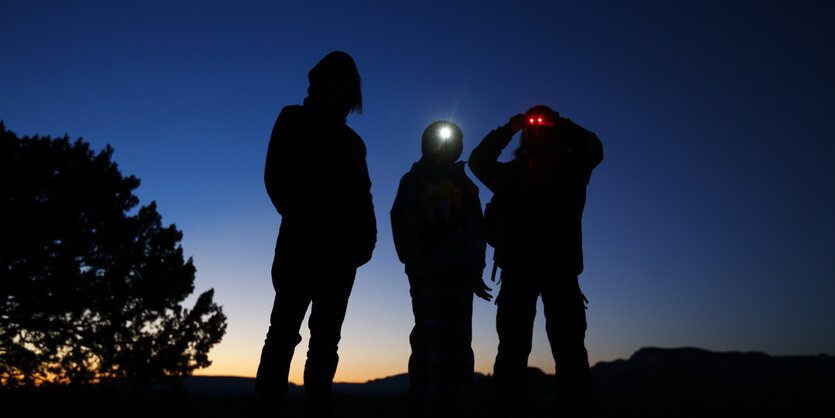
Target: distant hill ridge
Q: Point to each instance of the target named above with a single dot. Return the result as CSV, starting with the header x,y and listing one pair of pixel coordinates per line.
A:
x,y
670,372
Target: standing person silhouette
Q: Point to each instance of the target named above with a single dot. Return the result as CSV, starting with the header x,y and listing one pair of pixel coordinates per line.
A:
x,y
317,179
536,215
438,232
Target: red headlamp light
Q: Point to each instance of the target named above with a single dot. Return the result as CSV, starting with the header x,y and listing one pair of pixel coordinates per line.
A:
x,y
539,120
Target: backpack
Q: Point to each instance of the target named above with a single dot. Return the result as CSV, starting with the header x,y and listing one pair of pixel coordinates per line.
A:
x,y
492,222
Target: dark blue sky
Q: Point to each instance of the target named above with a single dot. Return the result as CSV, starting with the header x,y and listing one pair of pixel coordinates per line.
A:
x,y
709,223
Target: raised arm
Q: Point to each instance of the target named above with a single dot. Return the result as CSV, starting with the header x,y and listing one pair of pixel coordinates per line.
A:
x,y
484,158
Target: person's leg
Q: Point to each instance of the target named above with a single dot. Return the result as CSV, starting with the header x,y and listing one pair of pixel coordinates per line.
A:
x,y
565,324
441,363
425,343
514,324
289,307
330,301
423,361
457,361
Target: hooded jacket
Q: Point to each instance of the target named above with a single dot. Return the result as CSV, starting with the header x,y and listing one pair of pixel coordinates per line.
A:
x,y
437,222
539,216
317,179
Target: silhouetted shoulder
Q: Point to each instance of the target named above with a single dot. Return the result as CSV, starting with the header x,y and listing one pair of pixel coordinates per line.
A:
x,y
287,120
291,110
356,141
289,115
586,142
409,178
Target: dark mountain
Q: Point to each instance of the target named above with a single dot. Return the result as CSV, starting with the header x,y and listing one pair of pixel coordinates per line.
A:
x,y
693,370
696,382
663,370
653,382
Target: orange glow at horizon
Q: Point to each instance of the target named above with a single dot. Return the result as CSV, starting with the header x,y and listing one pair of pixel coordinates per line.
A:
x,y
352,368
375,346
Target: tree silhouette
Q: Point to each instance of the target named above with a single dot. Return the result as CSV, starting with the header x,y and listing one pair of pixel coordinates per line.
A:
x,y
90,288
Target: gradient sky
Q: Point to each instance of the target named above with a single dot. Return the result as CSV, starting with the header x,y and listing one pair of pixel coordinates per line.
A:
x,y
709,223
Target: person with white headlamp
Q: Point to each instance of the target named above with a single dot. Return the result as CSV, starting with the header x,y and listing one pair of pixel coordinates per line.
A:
x,y
438,232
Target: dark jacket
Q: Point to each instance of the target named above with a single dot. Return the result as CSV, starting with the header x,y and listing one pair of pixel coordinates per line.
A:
x,y
539,220
437,223
318,181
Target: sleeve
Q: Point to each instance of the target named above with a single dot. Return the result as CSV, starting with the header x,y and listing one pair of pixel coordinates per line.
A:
x,y
368,220
484,159
404,223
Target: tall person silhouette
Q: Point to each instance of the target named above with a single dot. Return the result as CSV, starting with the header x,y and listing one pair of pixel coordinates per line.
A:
x,y
438,232
317,179
534,223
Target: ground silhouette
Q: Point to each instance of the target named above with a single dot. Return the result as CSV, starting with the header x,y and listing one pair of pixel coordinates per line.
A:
x,y
653,382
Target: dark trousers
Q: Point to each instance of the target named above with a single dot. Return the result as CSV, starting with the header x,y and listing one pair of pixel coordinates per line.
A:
x,y
565,324
298,284
441,363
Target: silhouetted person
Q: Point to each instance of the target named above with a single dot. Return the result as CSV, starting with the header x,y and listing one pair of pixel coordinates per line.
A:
x,y
538,206
317,179
438,232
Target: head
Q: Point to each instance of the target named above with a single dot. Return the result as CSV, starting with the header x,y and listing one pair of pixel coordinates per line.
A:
x,y
442,143
335,81
539,136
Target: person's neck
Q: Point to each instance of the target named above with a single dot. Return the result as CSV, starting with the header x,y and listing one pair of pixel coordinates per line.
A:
x,y
326,109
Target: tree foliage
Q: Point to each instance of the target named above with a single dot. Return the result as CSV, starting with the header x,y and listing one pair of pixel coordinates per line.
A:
x,y
90,286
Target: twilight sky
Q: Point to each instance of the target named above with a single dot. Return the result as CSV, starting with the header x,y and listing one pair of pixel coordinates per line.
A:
x,y
709,223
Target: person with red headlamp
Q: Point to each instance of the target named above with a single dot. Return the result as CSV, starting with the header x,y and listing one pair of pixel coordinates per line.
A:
x,y
534,224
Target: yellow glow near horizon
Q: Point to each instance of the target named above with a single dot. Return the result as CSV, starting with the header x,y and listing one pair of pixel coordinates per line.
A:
x,y
373,346
353,368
